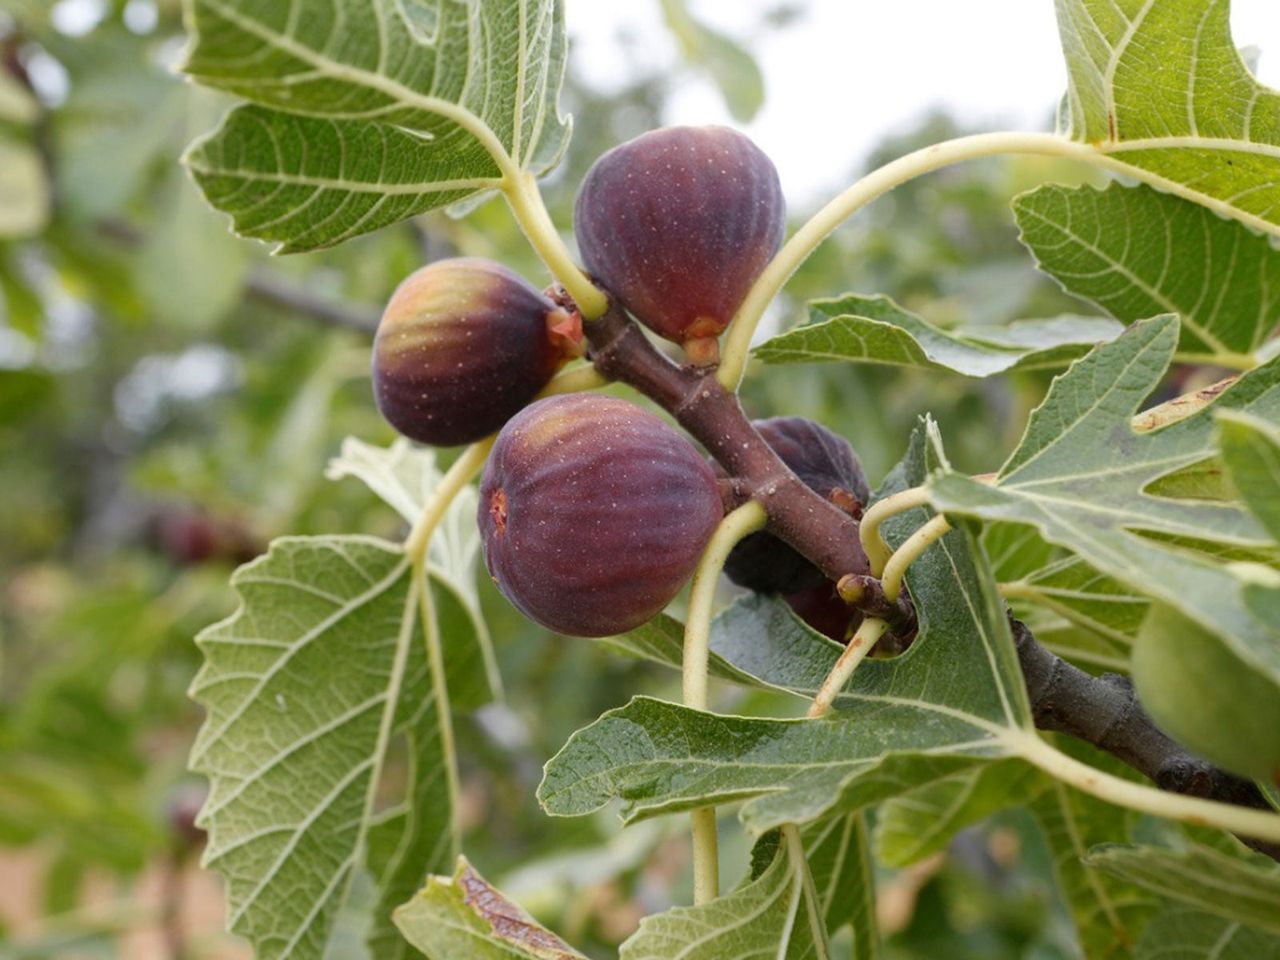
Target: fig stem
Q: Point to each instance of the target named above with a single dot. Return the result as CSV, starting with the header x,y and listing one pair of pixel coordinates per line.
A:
x,y
462,472
878,552
869,631
745,519
527,206
932,531
880,181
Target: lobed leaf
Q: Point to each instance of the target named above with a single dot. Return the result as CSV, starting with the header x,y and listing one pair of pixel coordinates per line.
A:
x,y
1162,92
302,686
1081,473
365,112
860,329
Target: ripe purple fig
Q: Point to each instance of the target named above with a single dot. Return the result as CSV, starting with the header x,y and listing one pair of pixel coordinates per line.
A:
x,y
826,463
822,608
462,346
594,513
677,224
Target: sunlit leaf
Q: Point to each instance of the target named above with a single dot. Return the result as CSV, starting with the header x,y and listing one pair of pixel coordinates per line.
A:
x,y
1136,253
1161,90
366,112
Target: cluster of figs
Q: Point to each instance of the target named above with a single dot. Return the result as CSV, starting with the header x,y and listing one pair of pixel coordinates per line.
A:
x,y
594,512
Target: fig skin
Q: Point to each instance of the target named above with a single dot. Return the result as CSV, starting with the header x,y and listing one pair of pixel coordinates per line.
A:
x,y
822,609
825,462
677,224
463,345
594,513
1203,696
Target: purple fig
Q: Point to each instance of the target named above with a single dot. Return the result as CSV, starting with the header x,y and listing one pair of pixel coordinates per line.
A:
x,y
822,608
826,463
594,513
677,224
462,346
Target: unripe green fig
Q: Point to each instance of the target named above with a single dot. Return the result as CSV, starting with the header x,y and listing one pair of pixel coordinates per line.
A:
x,y
677,224
594,513
826,464
1204,696
463,345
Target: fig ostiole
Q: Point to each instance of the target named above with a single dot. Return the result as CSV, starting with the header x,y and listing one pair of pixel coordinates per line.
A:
x,y
462,346
825,462
594,513
677,224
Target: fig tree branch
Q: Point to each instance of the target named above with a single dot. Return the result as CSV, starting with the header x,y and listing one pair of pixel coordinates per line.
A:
x,y
1102,711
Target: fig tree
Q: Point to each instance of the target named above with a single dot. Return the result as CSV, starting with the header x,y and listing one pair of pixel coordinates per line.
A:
x,y
826,463
593,513
462,346
677,224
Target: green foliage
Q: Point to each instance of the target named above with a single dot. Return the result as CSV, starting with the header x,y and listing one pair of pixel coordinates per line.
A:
x,y
1136,253
337,792
1162,90
465,918
417,107
877,330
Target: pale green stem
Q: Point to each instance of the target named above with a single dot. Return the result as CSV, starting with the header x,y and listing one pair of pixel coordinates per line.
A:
x,y
912,547
697,640
733,357
1243,821
444,713
855,651
877,551
455,479
524,197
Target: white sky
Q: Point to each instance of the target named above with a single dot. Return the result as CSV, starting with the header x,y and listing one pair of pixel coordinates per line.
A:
x,y
851,71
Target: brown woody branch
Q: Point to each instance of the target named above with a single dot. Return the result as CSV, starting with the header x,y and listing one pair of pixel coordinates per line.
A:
x,y
1102,711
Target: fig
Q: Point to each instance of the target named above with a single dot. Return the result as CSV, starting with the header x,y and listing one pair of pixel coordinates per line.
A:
x,y
826,463
1204,696
463,345
676,225
593,513
822,609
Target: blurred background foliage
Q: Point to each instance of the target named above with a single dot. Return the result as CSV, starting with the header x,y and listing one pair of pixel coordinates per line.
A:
x,y
169,395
